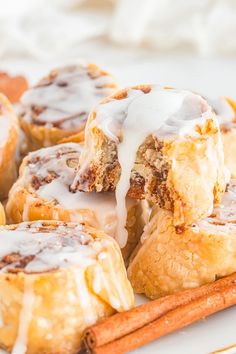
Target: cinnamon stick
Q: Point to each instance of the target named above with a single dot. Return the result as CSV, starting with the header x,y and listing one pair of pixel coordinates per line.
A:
x,y
126,322
178,318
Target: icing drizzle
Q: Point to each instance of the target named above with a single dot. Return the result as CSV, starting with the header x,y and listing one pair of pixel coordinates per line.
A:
x,y
44,246
65,98
165,113
51,171
20,346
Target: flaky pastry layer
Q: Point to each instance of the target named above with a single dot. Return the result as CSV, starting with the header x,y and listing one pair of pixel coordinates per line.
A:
x,y
183,173
59,104
55,280
167,261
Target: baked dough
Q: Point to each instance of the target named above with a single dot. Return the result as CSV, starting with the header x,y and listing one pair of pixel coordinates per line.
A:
x,y
159,144
42,192
8,144
225,109
168,261
2,215
55,280
12,86
58,106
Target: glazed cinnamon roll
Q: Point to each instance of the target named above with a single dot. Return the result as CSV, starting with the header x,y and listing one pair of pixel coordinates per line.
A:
x,y
58,106
155,143
225,109
8,144
55,280
43,192
168,260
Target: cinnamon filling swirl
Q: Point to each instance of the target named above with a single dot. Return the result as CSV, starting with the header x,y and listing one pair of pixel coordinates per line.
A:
x,y
40,246
60,162
64,99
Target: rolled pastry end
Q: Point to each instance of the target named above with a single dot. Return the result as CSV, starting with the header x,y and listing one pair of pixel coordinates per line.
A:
x,y
57,107
42,192
168,261
158,144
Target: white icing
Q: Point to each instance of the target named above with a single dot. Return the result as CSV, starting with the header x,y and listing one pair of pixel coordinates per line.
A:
x,y
71,103
63,246
89,312
223,217
121,296
102,282
25,214
163,112
20,346
51,249
227,209
103,205
223,110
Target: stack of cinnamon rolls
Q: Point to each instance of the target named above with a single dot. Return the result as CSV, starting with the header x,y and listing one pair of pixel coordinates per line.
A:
x,y
139,177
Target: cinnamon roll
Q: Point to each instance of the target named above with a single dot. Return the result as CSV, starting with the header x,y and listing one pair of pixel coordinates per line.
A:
x,y
8,144
42,192
12,86
55,280
155,143
58,106
170,260
225,109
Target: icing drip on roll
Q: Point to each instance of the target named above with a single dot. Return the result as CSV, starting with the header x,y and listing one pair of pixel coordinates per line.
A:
x,y
89,315
39,247
223,218
65,98
49,248
227,209
165,113
62,258
223,110
51,171
20,346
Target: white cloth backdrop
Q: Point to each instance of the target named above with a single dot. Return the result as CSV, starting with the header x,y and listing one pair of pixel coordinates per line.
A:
x,y
46,29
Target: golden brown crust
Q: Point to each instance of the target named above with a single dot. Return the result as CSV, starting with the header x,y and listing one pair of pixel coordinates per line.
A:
x,y
43,134
25,203
38,137
54,327
37,301
228,133
7,147
232,103
179,174
75,138
2,215
169,260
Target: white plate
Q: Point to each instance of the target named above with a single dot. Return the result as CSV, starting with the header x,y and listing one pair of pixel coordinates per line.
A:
x,y
210,335
204,337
